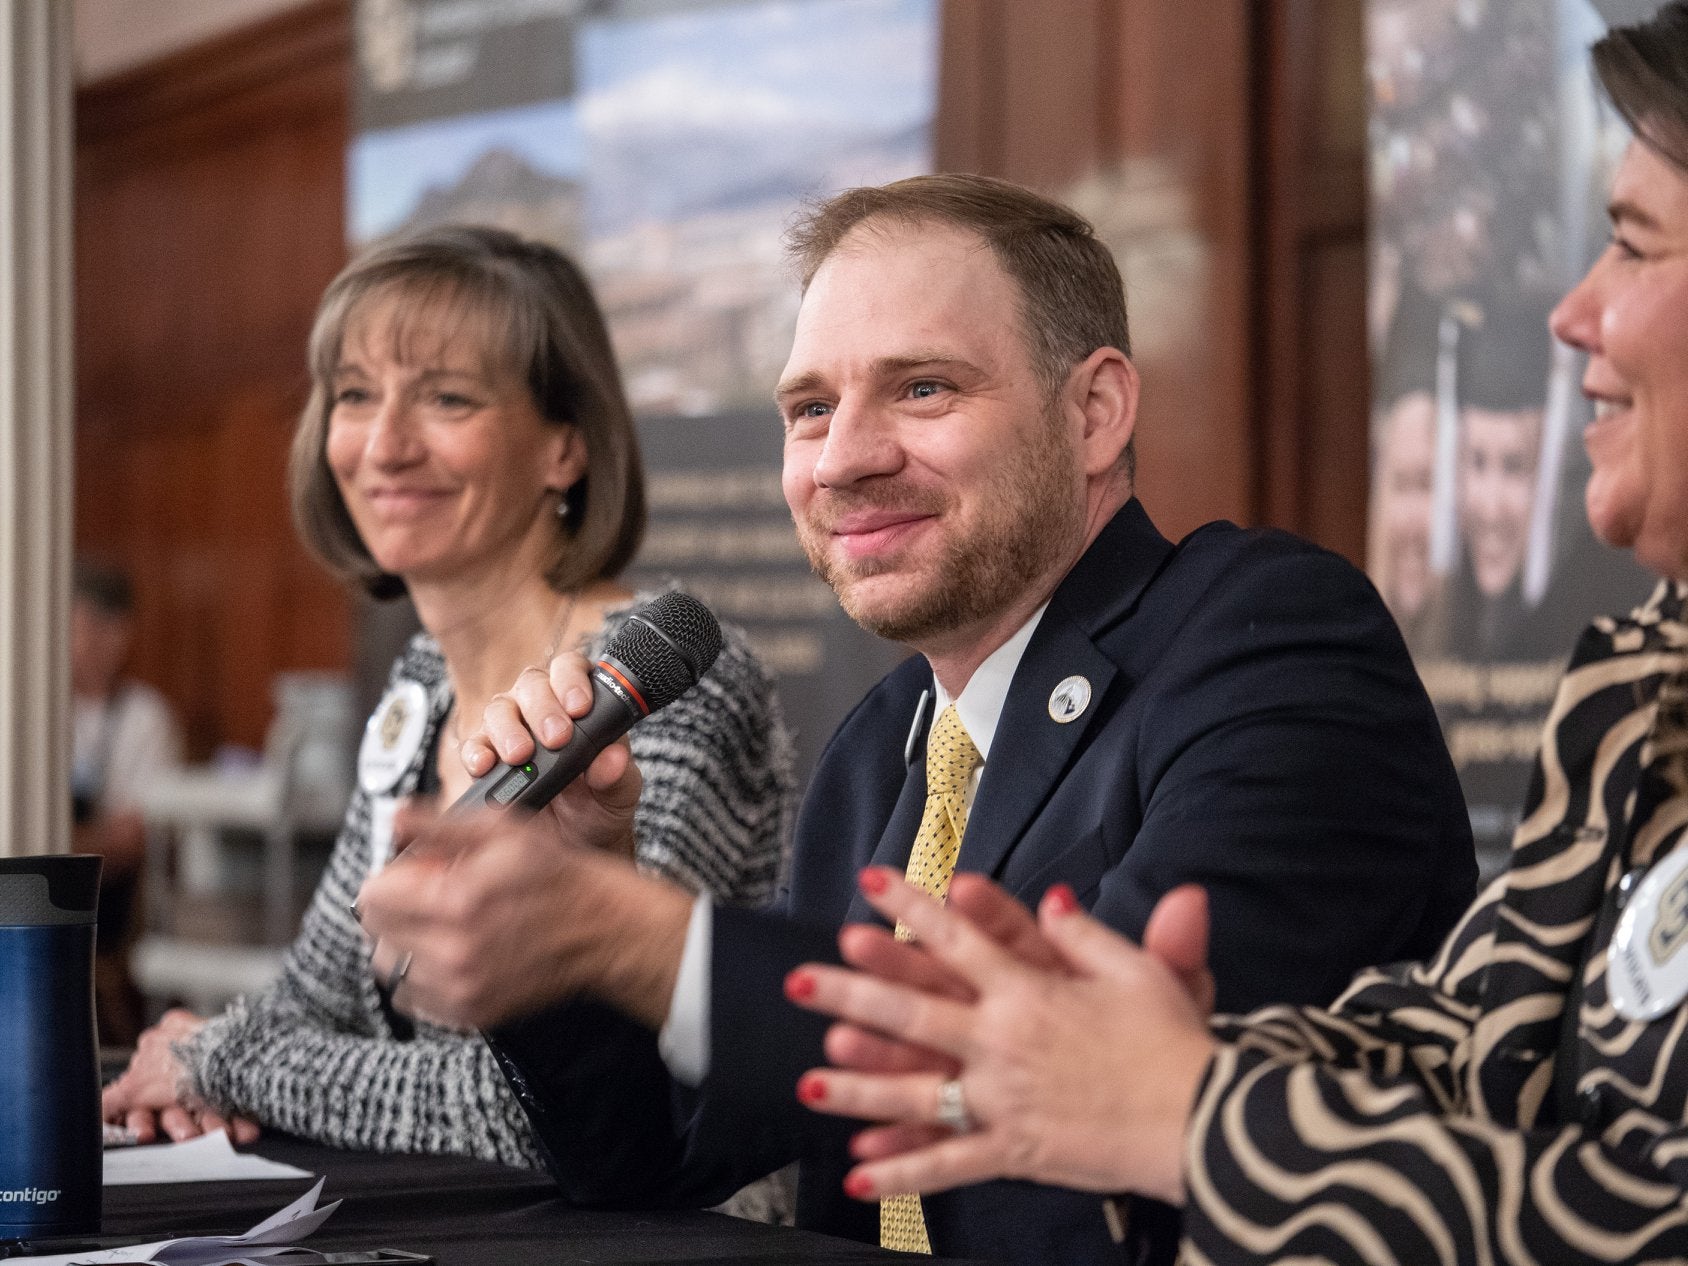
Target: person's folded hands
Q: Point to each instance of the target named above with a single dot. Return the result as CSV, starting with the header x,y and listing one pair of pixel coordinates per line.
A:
x,y
1076,1068
151,1096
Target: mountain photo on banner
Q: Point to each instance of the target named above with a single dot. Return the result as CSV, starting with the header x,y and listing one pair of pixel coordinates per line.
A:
x,y
704,129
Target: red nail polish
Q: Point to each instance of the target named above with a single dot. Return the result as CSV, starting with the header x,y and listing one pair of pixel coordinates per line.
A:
x,y
874,881
1062,900
857,1187
800,986
810,1089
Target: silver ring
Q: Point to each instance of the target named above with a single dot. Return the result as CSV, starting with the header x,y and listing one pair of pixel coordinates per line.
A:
x,y
952,1107
395,978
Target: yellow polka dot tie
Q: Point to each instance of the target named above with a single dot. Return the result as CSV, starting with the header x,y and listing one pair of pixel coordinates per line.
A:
x,y
951,759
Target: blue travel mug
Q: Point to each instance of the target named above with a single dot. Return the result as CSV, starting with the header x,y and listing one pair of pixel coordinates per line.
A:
x,y
50,1149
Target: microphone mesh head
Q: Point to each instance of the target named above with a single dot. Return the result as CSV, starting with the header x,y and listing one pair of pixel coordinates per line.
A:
x,y
667,645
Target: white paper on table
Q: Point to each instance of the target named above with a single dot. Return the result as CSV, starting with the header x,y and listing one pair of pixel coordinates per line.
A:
x,y
208,1158
270,1243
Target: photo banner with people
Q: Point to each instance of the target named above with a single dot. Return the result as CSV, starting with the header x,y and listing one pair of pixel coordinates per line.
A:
x,y
1490,156
665,144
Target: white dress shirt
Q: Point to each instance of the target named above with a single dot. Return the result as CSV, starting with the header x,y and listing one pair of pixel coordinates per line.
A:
x,y
684,1040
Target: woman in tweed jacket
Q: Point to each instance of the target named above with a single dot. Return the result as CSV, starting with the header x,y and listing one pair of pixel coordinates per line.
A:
x,y
1523,1097
467,441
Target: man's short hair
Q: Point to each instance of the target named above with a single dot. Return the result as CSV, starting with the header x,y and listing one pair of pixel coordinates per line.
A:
x,y
1072,296
103,586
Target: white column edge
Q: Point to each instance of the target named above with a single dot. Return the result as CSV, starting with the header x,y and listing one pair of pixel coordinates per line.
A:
x,y
36,424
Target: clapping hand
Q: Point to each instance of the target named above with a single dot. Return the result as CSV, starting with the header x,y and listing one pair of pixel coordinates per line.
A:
x,y
1076,1054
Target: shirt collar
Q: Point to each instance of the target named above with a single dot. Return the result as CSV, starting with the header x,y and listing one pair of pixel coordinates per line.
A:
x,y
980,704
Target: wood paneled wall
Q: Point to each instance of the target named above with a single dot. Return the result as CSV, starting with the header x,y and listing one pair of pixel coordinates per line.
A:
x,y
209,191
1310,312
1236,131
1221,145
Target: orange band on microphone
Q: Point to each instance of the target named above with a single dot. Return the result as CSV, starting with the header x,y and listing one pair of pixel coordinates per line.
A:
x,y
631,689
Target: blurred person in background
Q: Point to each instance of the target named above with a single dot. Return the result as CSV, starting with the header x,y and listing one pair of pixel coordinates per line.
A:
x,y
1405,462
1522,1095
1404,477
1502,387
124,736
467,442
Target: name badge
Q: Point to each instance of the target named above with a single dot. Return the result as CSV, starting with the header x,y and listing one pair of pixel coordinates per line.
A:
x,y
1647,964
381,812
392,737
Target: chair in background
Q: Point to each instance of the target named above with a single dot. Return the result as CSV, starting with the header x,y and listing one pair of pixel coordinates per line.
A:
x,y
296,790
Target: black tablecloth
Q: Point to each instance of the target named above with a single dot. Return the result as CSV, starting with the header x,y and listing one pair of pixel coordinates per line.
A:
x,y
463,1213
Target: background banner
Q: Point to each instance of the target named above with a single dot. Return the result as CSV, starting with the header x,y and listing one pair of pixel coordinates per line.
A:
x,y
665,144
1490,160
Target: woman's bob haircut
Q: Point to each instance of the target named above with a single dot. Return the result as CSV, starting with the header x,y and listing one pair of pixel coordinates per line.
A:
x,y
533,314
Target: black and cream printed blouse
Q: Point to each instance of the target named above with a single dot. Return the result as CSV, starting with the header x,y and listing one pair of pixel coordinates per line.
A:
x,y
1489,1105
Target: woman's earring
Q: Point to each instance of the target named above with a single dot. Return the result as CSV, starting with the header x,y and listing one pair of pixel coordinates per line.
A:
x,y
563,507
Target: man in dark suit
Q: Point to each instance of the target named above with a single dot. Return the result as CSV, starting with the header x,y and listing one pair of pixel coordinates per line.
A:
x,y
1104,709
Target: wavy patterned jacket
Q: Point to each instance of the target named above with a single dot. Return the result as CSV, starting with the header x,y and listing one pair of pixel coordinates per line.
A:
x,y
1489,1105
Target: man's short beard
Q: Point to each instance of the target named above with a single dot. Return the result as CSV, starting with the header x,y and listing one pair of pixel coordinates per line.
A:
x,y
1030,521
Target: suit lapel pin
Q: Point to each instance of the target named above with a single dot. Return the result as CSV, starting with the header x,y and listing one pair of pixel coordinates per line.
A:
x,y
1068,700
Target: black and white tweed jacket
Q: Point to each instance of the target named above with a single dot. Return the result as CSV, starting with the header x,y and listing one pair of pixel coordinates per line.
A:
x,y
316,1055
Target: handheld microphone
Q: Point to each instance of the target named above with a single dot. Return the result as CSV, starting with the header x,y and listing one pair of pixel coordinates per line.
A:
x,y
662,651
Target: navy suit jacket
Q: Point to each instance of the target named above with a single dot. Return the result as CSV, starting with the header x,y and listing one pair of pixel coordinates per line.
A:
x,y
1255,726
